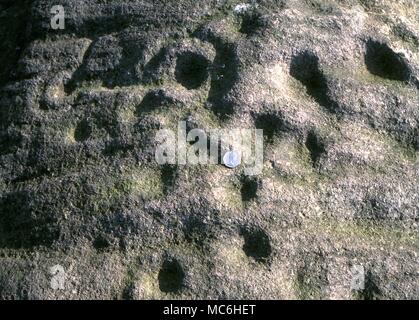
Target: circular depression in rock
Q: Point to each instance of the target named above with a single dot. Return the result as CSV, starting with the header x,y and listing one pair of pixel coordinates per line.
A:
x,y
256,244
82,131
271,124
191,70
382,61
171,276
100,243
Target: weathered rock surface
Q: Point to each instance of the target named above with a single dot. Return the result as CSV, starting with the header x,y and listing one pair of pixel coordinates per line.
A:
x,y
333,84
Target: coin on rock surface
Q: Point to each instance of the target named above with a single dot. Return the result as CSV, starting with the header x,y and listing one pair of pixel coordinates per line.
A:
x,y
231,159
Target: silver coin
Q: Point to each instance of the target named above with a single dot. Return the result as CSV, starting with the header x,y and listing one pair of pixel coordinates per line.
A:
x,y
231,159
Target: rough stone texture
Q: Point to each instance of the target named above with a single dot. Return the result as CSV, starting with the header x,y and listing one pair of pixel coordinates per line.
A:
x,y
334,85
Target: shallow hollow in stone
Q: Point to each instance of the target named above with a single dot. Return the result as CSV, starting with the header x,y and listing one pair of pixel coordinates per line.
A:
x,y
271,124
315,146
171,276
82,131
251,23
305,67
382,61
249,187
256,244
100,243
191,70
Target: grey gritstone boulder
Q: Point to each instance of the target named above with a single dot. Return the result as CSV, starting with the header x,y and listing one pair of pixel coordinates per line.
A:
x,y
87,213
